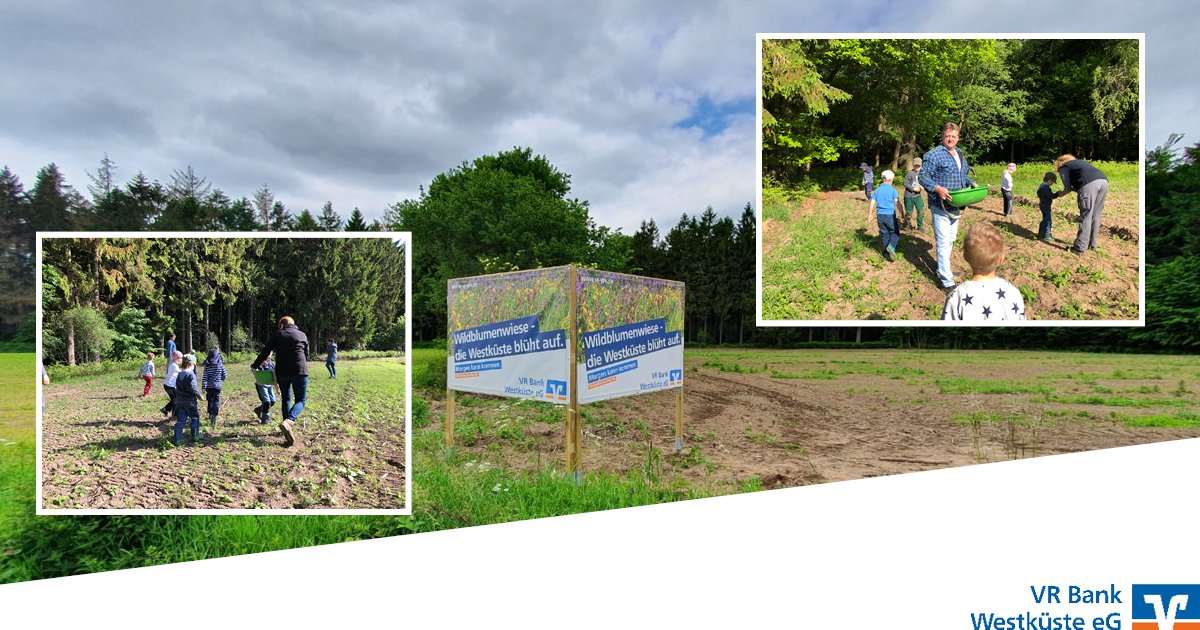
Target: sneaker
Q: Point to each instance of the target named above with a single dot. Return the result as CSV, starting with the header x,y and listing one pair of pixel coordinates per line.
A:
x,y
289,438
891,252
257,411
1076,252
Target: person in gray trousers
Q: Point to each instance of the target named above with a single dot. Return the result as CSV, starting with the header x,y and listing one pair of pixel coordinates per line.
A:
x,y
1091,186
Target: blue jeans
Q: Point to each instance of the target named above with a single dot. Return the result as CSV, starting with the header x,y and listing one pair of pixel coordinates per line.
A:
x,y
332,367
289,385
214,401
1044,226
945,230
183,413
889,231
266,395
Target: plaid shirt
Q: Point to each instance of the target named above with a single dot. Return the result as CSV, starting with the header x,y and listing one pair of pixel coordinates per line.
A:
x,y
938,169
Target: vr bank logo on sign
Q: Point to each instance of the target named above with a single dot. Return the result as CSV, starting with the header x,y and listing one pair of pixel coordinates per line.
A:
x,y
1166,607
556,390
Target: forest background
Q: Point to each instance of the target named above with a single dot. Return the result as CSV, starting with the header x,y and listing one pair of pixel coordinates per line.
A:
x,y
1015,100
513,210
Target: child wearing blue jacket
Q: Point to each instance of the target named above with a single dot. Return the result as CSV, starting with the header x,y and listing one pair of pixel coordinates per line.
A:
x,y
187,393
214,377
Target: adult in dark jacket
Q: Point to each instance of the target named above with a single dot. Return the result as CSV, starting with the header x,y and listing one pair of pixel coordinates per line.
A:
x,y
1080,177
290,346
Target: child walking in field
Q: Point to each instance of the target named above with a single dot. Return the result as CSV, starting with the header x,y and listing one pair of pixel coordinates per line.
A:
x,y
187,393
214,377
173,363
266,392
1045,203
883,206
868,179
1006,188
147,373
331,358
913,204
985,298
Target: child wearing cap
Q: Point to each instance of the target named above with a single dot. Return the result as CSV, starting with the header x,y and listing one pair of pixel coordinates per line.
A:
x,y
883,206
912,196
985,298
187,393
1006,188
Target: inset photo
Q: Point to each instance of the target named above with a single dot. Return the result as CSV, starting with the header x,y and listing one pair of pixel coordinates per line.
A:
x,y
960,181
231,372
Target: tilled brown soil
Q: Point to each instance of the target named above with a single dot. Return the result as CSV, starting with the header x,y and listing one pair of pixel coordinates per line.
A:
x,y
1103,285
104,447
777,432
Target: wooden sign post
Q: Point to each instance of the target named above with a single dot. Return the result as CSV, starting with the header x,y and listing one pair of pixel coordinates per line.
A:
x,y
507,336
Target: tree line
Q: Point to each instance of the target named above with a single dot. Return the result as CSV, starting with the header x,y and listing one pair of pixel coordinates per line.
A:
x,y
116,298
513,210
187,202
500,212
884,101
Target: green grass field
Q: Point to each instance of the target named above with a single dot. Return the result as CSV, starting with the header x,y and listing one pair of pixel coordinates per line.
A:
x,y
1022,401
447,493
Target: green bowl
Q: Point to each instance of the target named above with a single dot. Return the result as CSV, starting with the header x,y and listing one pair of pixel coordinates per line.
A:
x,y
964,197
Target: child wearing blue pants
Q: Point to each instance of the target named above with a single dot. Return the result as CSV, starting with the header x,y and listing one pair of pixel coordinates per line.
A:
x,y
266,394
883,205
868,179
214,378
187,393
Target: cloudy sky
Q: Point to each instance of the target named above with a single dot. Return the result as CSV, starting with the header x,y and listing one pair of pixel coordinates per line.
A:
x,y
649,106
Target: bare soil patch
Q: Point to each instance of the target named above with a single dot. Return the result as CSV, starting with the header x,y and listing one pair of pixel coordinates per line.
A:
x,y
1056,284
854,415
104,446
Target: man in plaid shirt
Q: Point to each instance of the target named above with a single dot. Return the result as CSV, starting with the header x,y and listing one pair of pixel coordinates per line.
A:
x,y
944,169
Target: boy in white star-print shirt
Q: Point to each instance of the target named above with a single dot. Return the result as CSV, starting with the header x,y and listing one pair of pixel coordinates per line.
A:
x,y
984,298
